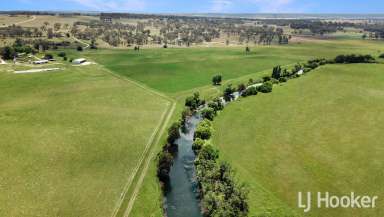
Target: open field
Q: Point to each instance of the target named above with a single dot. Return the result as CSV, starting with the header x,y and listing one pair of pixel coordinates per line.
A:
x,y
75,136
175,70
6,20
41,19
321,132
70,139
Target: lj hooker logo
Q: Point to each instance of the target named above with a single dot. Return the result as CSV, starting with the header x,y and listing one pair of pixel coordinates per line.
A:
x,y
308,200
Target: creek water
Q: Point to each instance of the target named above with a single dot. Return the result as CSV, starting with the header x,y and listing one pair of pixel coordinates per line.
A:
x,y
182,195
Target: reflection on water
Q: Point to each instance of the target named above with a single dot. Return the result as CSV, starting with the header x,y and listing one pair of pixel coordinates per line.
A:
x,y
182,196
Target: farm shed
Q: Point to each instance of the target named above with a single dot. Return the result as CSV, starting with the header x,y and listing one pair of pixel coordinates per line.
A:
x,y
79,61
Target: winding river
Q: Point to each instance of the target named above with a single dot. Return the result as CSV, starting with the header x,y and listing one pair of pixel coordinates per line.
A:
x,y
182,193
182,196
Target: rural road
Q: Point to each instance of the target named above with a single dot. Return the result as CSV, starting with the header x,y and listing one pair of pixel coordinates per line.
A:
x,y
86,45
26,21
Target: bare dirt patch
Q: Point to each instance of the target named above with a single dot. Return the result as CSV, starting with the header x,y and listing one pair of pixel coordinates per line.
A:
x,y
36,70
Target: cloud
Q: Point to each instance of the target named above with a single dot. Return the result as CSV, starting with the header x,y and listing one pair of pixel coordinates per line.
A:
x,y
113,5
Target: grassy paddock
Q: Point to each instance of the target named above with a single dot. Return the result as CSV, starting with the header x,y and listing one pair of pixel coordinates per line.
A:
x,y
179,69
70,134
321,132
70,140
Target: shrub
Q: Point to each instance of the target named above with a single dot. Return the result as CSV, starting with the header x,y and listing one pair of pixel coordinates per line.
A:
x,y
93,44
266,87
285,73
173,133
204,130
208,152
250,91
241,87
266,78
274,81
250,81
305,70
208,113
65,58
79,48
183,120
165,161
197,145
216,104
296,68
228,93
381,55
312,65
62,54
48,56
283,79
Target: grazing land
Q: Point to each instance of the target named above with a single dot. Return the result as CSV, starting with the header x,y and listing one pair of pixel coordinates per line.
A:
x,y
70,139
176,70
321,132
81,141
144,67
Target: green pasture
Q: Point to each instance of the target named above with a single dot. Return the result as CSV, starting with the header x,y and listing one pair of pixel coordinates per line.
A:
x,y
70,139
179,69
319,133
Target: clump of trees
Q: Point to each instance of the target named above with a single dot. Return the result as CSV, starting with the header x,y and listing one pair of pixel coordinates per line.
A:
x,y
276,72
313,64
250,91
166,156
204,130
353,58
266,87
216,104
19,46
208,113
194,102
228,93
7,53
220,193
316,27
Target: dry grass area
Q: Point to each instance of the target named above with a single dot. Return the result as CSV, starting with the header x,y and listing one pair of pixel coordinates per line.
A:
x,y
41,19
6,20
